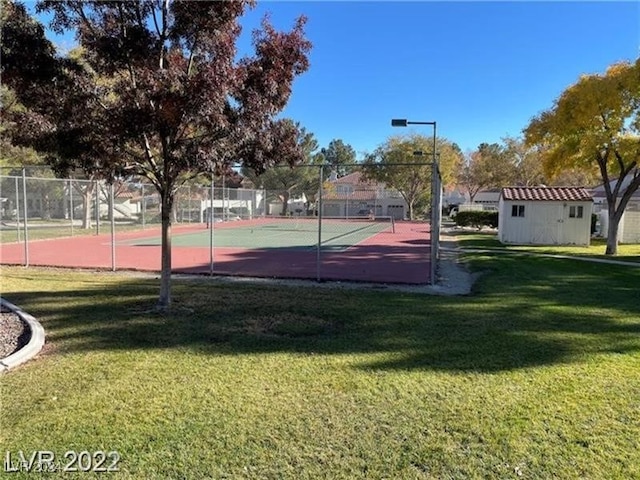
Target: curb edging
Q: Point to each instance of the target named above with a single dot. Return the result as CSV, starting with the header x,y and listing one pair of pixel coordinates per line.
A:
x,y
32,348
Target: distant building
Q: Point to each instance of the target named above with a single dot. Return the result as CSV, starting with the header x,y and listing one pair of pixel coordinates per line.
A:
x,y
629,226
353,196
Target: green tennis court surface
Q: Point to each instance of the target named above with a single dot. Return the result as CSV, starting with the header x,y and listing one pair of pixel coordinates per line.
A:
x,y
292,232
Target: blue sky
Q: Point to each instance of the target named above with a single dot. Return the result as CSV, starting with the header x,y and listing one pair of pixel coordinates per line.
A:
x,y
481,70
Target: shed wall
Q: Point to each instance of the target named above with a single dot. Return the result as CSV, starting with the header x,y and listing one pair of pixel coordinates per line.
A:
x,y
544,223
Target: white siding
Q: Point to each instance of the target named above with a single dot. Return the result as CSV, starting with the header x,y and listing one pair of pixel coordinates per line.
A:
x,y
631,232
544,223
628,228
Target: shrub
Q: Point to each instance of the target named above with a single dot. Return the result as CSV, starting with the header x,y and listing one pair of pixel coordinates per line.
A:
x,y
477,219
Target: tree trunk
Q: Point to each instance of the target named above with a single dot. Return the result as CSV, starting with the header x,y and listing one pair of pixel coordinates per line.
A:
x,y
612,230
285,203
87,204
164,302
410,205
46,208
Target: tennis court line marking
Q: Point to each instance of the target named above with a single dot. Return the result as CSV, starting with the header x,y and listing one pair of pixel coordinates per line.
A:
x,y
262,233
146,241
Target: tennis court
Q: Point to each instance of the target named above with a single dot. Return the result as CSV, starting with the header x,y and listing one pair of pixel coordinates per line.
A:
x,y
335,234
351,250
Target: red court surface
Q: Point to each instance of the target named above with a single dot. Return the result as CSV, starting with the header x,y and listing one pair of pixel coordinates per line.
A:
x,y
401,257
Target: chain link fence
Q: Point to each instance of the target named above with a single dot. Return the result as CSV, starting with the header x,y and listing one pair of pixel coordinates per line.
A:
x,y
317,224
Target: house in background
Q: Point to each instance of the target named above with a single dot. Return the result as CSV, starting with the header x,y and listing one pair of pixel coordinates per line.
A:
x,y
545,216
126,205
458,198
489,199
629,226
353,196
454,196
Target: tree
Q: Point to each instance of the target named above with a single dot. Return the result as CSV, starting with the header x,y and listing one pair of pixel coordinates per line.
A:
x,y
595,124
527,162
487,167
396,164
450,160
13,155
296,177
165,87
338,155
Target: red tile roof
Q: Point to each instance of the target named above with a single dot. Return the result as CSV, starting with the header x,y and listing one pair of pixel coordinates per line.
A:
x,y
354,178
566,194
127,194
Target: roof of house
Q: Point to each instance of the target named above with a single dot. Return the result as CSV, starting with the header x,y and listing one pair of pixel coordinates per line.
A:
x,y
354,178
128,195
564,194
599,191
357,195
362,189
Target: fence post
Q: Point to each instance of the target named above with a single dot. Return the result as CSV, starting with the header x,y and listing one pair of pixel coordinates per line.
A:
x,y
97,208
435,219
318,252
210,221
225,213
17,209
71,204
144,205
113,227
26,217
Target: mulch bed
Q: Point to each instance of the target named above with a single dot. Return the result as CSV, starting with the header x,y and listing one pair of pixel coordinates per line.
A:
x,y
14,333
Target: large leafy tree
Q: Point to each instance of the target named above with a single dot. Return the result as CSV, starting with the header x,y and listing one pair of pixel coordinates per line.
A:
x,y
402,163
595,124
339,156
166,88
489,166
296,176
12,155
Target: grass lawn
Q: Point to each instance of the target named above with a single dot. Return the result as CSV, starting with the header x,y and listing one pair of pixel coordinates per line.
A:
x,y
535,375
626,252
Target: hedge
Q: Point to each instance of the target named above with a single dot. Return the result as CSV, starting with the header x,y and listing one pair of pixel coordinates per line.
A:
x,y
477,219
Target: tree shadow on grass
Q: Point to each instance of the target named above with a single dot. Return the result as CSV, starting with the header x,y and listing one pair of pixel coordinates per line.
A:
x,y
526,312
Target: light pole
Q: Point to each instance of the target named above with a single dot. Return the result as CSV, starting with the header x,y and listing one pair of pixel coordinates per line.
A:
x,y
435,196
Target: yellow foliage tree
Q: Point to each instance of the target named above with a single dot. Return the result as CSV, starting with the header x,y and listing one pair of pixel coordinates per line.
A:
x,y
403,163
595,124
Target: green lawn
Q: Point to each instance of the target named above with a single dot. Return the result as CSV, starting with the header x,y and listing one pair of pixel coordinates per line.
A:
x,y
626,252
535,375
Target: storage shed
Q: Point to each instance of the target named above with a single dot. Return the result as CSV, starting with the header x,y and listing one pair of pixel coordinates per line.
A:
x,y
545,215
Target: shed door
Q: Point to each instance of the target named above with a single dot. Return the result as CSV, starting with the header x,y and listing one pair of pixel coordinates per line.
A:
x,y
547,224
